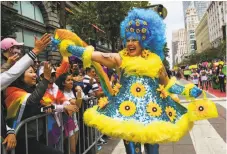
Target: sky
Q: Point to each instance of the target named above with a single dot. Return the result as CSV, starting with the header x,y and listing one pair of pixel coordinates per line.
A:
x,y
173,21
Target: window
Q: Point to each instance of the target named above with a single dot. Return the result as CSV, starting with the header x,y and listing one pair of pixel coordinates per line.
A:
x,y
27,9
27,36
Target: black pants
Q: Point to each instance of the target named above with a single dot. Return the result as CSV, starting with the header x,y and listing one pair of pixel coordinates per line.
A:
x,y
34,147
222,86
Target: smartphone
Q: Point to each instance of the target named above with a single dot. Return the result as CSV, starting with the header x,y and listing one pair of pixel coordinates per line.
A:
x,y
43,109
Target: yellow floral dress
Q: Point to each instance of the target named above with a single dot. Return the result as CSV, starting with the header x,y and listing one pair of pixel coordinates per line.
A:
x,y
139,111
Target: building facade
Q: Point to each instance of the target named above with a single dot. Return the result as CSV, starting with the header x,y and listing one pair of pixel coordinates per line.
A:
x,y
216,14
38,17
192,21
202,35
179,46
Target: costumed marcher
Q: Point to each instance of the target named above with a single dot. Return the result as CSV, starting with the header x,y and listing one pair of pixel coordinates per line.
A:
x,y
141,109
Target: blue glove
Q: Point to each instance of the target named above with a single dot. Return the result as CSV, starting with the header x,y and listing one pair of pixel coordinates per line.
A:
x,y
54,44
178,89
76,50
195,92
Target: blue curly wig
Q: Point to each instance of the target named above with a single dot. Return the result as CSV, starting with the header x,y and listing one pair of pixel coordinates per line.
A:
x,y
146,26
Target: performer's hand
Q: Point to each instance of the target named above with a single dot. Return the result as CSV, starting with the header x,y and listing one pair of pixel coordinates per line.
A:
x,y
54,43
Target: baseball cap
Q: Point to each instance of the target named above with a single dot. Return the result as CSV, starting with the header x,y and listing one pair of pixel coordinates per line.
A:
x,y
9,42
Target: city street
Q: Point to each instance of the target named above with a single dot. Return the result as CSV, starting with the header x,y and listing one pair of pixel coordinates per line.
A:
x,y
206,137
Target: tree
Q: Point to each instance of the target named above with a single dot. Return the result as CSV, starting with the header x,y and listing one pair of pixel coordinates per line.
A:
x,y
107,15
166,54
8,20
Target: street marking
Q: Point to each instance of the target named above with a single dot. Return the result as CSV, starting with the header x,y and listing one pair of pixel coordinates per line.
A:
x,y
206,140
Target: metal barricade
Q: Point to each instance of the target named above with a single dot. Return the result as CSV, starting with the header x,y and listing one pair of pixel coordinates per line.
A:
x,y
87,138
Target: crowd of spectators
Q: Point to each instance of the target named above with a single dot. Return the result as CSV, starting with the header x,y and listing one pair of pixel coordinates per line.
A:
x,y
30,88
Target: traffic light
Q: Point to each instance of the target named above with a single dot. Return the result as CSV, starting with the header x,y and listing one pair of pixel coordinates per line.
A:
x,y
160,9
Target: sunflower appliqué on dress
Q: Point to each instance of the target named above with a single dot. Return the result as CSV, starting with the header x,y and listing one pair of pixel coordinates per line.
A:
x,y
163,92
127,108
103,101
116,89
138,89
154,109
171,113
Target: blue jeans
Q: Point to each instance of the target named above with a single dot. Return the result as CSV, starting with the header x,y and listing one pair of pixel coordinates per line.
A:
x,y
135,148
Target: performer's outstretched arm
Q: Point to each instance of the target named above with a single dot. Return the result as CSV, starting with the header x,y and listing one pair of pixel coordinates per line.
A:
x,y
111,60
171,86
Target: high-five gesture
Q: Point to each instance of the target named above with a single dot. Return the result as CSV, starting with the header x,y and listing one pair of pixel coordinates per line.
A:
x,y
41,44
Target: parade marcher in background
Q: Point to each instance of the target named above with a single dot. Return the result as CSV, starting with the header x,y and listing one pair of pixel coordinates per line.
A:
x,y
140,110
195,78
221,78
209,77
203,75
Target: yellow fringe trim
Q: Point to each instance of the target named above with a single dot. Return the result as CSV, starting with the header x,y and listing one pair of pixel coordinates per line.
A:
x,y
171,82
87,56
156,132
187,89
63,47
140,66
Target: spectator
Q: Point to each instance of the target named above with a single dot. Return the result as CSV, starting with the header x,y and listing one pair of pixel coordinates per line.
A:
x,y
11,52
65,83
89,79
58,99
12,74
29,95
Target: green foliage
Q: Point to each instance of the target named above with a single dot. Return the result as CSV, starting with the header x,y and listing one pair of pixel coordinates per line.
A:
x,y
166,53
207,55
107,15
8,20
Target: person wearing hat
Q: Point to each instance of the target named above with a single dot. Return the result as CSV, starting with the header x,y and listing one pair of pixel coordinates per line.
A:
x,y
140,110
11,51
27,60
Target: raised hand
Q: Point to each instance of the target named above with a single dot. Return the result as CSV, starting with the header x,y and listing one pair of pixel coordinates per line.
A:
x,y
41,44
12,59
47,71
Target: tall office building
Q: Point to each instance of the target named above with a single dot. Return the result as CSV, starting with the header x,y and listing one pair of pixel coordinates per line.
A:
x,y
200,7
216,14
192,21
179,47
